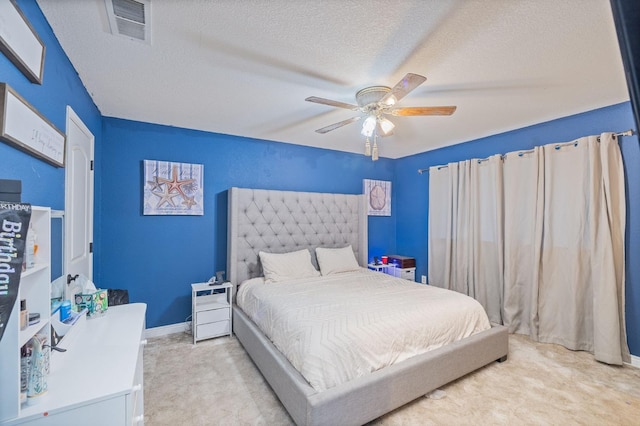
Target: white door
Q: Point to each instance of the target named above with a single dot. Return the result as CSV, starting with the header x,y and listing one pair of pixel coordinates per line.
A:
x,y
78,203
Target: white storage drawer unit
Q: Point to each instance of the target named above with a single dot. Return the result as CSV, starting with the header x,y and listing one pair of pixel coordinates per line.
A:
x,y
406,273
211,310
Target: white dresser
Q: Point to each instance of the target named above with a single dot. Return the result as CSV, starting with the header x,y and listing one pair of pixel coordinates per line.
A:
x,y
99,380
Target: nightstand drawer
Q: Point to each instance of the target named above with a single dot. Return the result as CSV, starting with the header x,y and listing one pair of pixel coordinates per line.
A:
x,y
405,273
212,316
213,329
408,274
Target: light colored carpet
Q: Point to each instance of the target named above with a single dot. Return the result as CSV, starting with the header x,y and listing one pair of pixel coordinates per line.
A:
x,y
215,383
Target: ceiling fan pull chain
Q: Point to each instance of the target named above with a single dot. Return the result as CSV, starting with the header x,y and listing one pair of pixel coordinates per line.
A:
x,y
367,148
374,154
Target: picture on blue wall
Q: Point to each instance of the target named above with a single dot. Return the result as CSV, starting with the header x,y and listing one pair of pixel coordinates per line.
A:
x,y
20,43
378,194
173,188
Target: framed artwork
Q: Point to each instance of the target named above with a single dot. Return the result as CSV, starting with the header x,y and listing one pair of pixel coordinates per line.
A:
x,y
173,188
20,43
22,126
378,194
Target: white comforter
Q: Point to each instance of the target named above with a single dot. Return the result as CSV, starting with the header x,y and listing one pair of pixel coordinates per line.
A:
x,y
333,329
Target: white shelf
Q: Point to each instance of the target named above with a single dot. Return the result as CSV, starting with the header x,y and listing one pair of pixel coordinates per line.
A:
x,y
207,305
198,287
35,288
31,331
386,268
38,267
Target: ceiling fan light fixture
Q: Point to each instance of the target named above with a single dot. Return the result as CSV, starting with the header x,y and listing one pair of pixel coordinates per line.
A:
x,y
386,126
390,101
371,95
375,102
369,126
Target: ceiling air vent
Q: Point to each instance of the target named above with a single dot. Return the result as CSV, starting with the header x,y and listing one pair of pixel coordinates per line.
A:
x,y
130,18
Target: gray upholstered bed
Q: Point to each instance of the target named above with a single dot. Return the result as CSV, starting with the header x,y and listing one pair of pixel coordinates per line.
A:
x,y
283,221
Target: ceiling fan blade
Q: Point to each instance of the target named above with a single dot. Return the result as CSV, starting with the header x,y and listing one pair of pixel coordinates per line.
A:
x,y
404,86
408,111
337,125
329,102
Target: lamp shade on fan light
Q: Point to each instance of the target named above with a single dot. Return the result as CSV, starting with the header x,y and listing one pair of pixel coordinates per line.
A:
x,y
369,126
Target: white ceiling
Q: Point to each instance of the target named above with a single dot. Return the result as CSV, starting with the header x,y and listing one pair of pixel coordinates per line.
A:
x,y
244,67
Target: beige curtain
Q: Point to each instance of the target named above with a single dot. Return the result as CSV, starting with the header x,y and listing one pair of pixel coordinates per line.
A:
x,y
448,226
581,285
538,239
466,244
523,191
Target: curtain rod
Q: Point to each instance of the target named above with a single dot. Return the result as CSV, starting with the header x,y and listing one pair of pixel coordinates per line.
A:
x,y
629,132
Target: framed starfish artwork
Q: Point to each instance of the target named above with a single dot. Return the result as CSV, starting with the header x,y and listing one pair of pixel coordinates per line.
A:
x,y
378,195
173,188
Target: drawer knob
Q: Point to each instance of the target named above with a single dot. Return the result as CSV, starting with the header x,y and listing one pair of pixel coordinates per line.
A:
x,y
143,342
138,419
136,388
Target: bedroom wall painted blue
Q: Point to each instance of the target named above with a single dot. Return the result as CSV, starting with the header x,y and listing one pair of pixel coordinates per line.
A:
x,y
43,184
157,257
411,189
169,259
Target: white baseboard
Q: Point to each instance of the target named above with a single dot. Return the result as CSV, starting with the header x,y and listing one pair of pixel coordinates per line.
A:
x,y
635,361
180,327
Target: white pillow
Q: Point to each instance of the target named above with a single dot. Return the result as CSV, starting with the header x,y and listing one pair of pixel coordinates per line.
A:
x,y
286,266
336,260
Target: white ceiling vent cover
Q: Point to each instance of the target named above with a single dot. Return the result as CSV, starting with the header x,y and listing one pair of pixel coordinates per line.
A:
x,y
130,19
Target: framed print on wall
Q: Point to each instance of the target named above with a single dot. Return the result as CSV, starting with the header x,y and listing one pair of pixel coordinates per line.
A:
x,y
20,43
22,126
378,194
173,188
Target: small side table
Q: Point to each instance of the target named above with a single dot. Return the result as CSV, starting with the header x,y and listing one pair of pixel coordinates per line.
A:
x,y
384,268
211,310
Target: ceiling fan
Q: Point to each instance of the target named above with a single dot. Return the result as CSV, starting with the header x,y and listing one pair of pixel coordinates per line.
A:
x,y
377,101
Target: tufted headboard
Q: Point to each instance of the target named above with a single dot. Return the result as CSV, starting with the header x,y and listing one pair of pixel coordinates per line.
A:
x,y
284,221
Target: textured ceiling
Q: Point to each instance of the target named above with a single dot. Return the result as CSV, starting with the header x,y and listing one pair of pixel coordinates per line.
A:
x,y
244,67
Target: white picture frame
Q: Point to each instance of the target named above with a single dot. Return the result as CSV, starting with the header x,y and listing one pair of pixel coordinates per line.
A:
x,y
172,188
20,43
22,126
378,195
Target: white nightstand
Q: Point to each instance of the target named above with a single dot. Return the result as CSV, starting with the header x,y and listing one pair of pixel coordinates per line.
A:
x,y
211,310
385,268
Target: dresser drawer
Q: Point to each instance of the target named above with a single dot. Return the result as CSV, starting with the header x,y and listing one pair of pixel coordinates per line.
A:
x,y
213,329
212,315
109,411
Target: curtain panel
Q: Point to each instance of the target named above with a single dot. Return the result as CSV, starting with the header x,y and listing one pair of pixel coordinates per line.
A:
x,y
537,237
